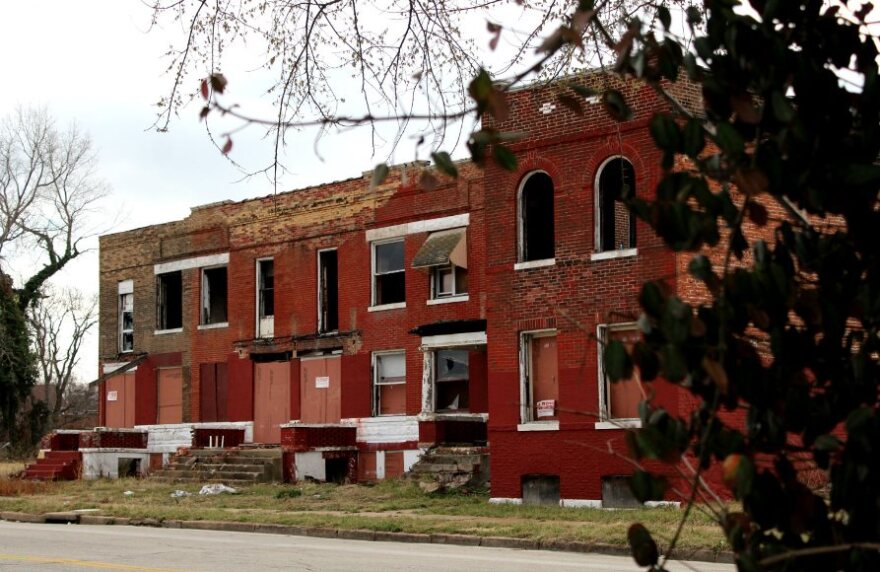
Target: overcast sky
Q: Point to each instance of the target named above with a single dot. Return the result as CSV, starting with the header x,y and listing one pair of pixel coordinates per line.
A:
x,y
92,62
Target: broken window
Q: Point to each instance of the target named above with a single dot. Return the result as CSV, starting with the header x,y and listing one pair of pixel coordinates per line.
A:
x,y
389,277
539,376
214,294
616,226
447,281
126,316
265,298
536,236
169,300
328,291
389,383
620,399
451,375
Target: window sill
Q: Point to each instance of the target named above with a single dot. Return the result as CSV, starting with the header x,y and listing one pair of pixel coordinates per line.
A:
x,y
619,424
534,264
449,300
611,254
538,426
213,326
383,307
168,331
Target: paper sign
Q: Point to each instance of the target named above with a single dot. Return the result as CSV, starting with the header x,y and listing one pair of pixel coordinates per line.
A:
x,y
112,395
546,407
322,382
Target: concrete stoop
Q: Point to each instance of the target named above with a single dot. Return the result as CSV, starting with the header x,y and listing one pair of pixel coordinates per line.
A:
x,y
237,466
451,467
55,466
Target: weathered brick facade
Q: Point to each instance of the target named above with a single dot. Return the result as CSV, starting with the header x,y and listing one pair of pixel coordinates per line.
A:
x,y
567,298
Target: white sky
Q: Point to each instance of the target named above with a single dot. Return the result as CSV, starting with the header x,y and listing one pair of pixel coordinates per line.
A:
x,y
92,62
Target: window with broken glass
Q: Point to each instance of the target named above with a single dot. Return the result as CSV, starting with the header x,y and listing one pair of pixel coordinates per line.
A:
x,y
126,322
451,375
214,294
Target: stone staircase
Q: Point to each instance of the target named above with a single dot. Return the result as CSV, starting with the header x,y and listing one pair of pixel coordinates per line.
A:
x,y
55,466
234,467
451,467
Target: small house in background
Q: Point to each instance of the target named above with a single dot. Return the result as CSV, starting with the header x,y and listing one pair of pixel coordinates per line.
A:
x,y
362,333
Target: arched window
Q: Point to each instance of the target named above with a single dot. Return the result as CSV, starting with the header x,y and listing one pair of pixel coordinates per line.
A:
x,y
536,232
615,224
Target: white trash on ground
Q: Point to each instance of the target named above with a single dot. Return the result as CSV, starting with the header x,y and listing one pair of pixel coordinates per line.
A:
x,y
217,489
179,494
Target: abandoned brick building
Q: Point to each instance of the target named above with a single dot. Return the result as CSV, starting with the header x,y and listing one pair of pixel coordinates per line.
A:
x,y
360,327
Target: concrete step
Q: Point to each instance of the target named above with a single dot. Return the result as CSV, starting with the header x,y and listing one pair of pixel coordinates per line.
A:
x,y
209,467
197,475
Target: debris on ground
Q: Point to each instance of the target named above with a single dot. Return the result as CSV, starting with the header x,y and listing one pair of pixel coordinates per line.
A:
x,y
217,489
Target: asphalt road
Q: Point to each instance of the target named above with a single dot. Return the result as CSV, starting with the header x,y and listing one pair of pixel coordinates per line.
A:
x,y
26,547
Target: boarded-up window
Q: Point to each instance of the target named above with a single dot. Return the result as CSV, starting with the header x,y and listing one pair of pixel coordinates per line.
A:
x,y
540,378
389,383
119,397
170,388
213,391
451,376
367,466
616,226
620,398
393,464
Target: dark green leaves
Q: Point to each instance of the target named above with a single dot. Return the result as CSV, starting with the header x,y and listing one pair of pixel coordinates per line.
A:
x,y
618,364
665,132
504,157
646,487
616,106
643,547
380,173
444,163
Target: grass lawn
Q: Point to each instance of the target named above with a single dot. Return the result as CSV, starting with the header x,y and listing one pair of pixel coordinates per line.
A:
x,y
397,506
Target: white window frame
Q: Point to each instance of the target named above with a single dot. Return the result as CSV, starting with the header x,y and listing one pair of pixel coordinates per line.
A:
x,y
611,253
526,390
376,383
436,281
125,289
606,421
375,306
259,290
434,355
203,290
521,262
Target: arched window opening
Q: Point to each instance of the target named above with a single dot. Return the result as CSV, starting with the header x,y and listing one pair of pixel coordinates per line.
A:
x,y
537,239
616,226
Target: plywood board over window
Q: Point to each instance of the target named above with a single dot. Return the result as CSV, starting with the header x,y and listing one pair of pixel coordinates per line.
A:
x,y
620,399
119,395
321,389
170,398
539,376
271,400
213,391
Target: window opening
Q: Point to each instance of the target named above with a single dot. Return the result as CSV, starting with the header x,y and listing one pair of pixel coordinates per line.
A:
x,y
450,280
328,291
389,383
540,377
451,376
389,277
126,322
214,293
169,300
267,288
537,238
617,225
620,399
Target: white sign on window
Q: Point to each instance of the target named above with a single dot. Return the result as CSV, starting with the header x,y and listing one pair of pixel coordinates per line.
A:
x,y
322,382
546,407
112,395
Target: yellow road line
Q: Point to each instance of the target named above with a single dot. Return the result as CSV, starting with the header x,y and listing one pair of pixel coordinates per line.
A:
x,y
83,563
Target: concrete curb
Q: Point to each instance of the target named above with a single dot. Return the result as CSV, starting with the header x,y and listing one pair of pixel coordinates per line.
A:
x,y
701,554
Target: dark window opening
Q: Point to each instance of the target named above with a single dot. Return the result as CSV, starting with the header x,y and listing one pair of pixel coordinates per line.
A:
x,y
336,470
451,376
266,288
126,322
214,293
169,300
536,212
617,225
389,277
328,291
127,468
450,280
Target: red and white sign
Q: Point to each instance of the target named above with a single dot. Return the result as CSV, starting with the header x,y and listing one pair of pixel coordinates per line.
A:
x,y
112,396
546,408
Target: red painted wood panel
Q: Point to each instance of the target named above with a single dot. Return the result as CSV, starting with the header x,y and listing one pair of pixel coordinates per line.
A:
x,y
170,396
271,400
545,373
320,404
120,411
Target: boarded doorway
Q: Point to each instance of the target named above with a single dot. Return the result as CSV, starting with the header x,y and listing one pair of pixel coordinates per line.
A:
x,y
271,400
320,390
119,400
213,391
170,388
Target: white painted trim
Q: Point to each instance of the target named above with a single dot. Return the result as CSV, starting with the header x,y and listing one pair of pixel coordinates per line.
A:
x,y
610,254
380,465
195,262
597,204
449,300
453,416
538,426
452,340
113,366
520,218
169,331
503,500
534,264
428,225
383,307
213,326
580,503
525,370
618,424
125,286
